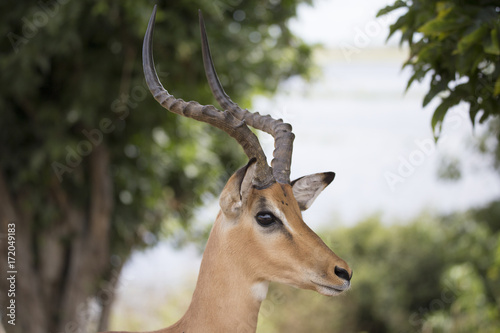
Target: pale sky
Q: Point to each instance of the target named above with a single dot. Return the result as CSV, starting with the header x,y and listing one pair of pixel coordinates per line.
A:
x,y
333,22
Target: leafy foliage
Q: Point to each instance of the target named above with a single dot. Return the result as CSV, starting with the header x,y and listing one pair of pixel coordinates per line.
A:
x,y
457,43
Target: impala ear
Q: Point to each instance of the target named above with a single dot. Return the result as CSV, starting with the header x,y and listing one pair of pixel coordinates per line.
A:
x,y
306,189
236,190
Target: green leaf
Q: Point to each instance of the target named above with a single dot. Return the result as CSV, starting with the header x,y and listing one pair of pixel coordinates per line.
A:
x,y
467,63
473,111
496,91
440,112
484,116
439,26
493,47
429,52
444,8
415,76
388,9
436,88
399,24
474,37
407,36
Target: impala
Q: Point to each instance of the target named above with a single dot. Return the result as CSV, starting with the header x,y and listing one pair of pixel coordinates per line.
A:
x,y
259,235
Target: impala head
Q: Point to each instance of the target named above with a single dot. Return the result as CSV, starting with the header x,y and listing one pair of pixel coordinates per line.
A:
x,y
265,227
260,224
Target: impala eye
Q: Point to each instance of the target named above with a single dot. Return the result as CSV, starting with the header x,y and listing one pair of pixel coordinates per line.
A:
x,y
266,219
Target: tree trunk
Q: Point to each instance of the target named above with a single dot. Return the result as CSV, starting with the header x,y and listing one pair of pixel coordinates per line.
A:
x,y
60,266
106,296
21,293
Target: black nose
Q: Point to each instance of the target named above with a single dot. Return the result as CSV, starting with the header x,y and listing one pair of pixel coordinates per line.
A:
x,y
342,273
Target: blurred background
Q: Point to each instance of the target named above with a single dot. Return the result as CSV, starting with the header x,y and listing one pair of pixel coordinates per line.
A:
x,y
113,197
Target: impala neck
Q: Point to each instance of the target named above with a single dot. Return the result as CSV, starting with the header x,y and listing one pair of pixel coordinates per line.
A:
x,y
226,298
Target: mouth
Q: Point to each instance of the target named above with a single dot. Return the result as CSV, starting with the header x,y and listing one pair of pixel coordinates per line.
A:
x,y
331,290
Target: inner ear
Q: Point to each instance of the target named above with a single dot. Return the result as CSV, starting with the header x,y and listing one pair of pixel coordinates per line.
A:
x,y
306,189
247,180
236,190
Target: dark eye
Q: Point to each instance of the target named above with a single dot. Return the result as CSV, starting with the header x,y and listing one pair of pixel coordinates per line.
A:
x,y
265,219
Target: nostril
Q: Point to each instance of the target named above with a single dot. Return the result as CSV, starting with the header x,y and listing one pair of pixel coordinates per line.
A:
x,y
342,273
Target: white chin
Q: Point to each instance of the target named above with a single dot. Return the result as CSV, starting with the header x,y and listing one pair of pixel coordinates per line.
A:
x,y
328,291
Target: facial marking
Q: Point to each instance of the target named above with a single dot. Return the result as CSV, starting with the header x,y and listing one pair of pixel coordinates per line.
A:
x,y
279,214
263,205
259,290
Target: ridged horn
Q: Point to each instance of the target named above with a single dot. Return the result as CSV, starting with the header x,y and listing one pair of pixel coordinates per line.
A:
x,y
281,131
223,120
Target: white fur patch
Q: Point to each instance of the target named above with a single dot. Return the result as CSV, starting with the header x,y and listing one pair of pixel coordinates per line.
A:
x,y
259,290
282,217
